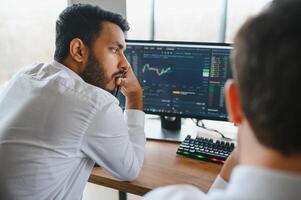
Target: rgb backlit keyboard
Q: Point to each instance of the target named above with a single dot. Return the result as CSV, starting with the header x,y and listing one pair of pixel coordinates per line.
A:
x,y
206,149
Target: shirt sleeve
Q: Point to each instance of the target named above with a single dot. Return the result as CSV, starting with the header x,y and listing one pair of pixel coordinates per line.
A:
x,y
219,183
115,140
175,192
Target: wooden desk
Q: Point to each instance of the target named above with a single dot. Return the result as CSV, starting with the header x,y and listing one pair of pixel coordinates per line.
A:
x,y
162,166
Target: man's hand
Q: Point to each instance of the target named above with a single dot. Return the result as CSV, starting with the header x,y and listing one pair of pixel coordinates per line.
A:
x,y
131,89
230,163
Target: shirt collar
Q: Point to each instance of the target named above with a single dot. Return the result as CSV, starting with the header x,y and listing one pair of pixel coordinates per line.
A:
x,y
68,70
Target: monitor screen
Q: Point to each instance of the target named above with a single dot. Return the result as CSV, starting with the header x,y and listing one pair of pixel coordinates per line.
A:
x,y
180,78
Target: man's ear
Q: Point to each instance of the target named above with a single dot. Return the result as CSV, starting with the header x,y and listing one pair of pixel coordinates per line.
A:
x,y
78,50
233,102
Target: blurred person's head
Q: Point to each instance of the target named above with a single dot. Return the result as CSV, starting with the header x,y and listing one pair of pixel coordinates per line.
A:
x,y
91,41
264,97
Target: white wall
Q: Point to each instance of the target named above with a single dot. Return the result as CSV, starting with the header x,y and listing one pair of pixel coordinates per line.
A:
x,y
118,6
27,32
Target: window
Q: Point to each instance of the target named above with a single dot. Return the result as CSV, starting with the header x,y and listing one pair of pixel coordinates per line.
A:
x,y
238,12
189,20
139,16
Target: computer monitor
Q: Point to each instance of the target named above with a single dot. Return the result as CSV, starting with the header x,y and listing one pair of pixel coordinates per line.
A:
x,y
182,79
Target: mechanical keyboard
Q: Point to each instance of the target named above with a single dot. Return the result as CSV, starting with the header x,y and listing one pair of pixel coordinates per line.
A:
x,y
206,149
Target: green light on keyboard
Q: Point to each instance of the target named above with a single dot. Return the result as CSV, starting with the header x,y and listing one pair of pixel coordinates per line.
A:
x,y
199,156
185,152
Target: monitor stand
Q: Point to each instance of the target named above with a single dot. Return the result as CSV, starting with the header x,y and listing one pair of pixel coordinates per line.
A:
x,y
168,128
170,123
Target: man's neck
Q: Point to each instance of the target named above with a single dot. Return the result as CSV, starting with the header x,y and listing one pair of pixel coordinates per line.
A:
x,y
275,160
68,62
255,154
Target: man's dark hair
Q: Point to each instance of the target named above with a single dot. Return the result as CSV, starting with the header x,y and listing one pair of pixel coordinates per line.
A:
x,y
82,21
267,67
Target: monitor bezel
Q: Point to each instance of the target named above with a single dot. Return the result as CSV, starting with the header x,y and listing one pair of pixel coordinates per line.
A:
x,y
182,43
179,42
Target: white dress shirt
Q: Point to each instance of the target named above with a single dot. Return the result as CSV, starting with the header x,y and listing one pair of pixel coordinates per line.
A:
x,y
246,182
54,127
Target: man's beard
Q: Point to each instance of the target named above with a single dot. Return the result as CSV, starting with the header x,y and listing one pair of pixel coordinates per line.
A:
x,y
95,74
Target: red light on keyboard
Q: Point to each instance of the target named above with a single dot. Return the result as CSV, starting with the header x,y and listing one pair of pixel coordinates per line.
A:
x,y
217,160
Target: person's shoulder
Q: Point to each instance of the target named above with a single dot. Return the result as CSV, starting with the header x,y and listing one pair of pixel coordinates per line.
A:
x,y
73,83
98,96
62,80
31,68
